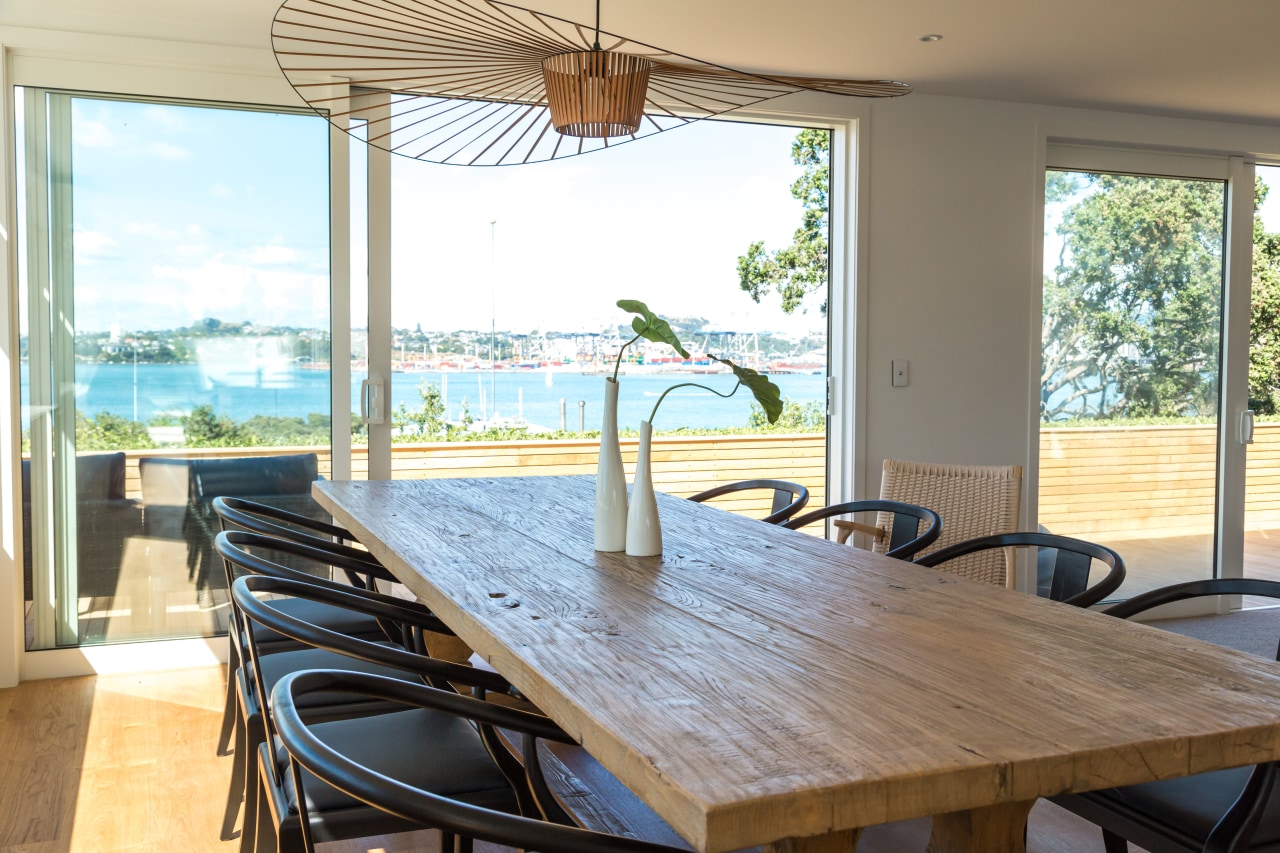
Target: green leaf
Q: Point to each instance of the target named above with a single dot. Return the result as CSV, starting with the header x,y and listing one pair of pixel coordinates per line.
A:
x,y
652,327
768,395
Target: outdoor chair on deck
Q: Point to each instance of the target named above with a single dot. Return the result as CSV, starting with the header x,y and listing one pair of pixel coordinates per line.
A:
x,y
788,498
905,536
971,500
1066,563
1226,811
105,519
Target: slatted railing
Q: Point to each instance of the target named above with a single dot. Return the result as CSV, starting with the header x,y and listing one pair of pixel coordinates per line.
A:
x,y
682,465
1148,481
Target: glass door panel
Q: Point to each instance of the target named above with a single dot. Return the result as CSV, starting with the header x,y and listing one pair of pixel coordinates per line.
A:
x,y
1262,472
176,346
1131,341
505,323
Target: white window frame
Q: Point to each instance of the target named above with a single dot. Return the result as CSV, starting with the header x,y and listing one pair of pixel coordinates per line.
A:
x,y
40,67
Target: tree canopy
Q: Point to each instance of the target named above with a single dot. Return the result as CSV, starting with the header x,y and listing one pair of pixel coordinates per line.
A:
x,y
1132,309
800,269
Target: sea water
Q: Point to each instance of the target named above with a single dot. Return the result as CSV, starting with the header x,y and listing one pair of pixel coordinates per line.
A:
x,y
147,391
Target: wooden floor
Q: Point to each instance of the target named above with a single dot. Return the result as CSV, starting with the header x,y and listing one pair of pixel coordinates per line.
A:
x,y
127,763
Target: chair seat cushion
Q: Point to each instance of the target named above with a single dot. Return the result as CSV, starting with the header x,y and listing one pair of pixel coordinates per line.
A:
x,y
339,619
1194,804
277,666
429,750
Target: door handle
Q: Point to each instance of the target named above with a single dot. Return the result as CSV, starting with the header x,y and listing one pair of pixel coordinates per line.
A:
x,y
372,402
1246,427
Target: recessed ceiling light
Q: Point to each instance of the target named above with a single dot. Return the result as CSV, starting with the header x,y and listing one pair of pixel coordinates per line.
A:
x,y
930,38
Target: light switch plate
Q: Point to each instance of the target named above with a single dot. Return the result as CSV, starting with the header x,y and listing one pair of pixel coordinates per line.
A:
x,y
900,373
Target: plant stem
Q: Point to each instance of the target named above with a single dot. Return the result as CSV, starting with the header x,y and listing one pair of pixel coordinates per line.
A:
x,y
621,350
691,385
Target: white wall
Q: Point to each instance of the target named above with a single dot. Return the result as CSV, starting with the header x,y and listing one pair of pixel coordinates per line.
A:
x,y
954,231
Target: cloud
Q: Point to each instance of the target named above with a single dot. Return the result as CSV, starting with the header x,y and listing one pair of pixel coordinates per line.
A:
x,y
95,134
273,255
220,191
167,151
93,244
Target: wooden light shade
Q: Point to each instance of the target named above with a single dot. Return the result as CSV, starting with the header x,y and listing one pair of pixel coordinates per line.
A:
x,y
596,93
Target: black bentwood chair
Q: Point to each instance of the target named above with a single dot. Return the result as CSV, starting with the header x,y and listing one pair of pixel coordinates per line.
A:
x,y
313,750
788,498
906,539
314,564
450,760
279,652
359,567
1065,562
1226,811
245,514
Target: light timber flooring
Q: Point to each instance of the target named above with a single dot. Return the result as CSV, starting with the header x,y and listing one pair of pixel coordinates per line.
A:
x,y
127,763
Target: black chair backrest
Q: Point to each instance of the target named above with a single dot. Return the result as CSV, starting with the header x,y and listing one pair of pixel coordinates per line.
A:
x,y
1194,589
309,752
412,621
242,549
788,498
244,514
1070,566
905,537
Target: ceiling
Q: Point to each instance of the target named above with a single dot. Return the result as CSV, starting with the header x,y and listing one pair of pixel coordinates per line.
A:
x,y
1200,58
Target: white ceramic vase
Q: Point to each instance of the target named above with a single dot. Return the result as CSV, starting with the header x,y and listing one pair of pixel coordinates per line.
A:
x,y
611,480
644,531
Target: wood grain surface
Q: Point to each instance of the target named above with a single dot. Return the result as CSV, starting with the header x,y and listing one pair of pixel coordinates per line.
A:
x,y
755,684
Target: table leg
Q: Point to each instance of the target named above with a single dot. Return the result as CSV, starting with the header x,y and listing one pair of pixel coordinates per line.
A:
x,y
843,841
999,827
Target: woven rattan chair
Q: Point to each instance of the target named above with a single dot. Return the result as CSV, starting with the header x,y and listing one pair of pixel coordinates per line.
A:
x,y
972,500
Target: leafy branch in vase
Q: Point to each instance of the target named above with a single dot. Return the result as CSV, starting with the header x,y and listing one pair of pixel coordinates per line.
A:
x,y
648,326
768,395
652,327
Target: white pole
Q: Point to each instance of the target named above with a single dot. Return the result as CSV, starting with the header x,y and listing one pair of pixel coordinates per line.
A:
x,y
493,313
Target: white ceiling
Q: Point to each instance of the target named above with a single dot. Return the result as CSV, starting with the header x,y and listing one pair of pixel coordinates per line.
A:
x,y
1206,58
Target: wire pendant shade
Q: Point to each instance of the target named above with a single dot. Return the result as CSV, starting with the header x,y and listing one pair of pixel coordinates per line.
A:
x,y
487,83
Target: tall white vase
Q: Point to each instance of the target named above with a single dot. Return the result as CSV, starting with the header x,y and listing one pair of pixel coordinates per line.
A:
x,y
611,480
644,531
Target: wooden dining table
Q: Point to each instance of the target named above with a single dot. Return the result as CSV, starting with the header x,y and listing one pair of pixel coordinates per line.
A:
x,y
756,685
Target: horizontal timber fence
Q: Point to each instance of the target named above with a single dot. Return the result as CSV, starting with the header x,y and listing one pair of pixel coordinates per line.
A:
x,y
1151,481
682,465
1123,481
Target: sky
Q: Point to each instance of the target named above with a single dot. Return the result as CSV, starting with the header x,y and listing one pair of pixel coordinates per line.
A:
x,y
662,220
183,213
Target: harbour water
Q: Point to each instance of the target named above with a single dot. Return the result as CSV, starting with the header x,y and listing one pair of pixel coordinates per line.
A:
x,y
146,391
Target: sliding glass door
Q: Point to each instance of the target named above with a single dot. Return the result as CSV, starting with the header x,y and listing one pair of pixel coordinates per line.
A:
x,y
1161,317
1131,368
176,345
